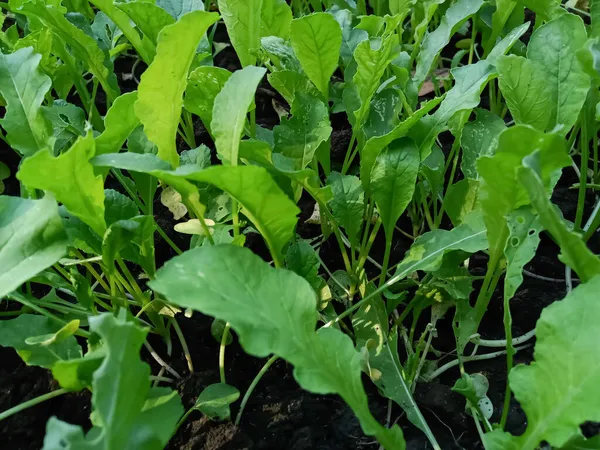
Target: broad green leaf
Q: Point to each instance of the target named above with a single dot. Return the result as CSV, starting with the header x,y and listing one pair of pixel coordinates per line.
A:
x,y
70,177
581,443
119,123
317,40
372,59
401,7
504,9
32,238
574,251
393,180
299,138
148,17
301,258
133,239
273,311
479,138
160,93
243,21
263,202
347,204
595,12
434,42
125,418
15,332
376,144
504,46
230,109
290,83
121,20
178,8
83,47
545,9
351,36
204,84
460,199
500,191
280,53
528,95
427,252
556,406
553,50
215,399
23,86
68,123
465,95
276,19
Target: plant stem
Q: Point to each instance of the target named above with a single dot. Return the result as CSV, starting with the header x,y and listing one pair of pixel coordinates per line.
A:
x,y
386,258
224,338
34,401
349,155
184,346
585,154
253,385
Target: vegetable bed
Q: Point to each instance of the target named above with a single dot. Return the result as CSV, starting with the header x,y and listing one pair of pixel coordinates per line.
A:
x,y
309,224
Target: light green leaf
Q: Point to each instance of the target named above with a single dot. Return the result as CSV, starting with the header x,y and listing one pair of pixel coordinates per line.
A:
x,y
581,443
528,95
574,251
23,87
70,177
276,19
545,9
204,84
148,17
479,138
372,59
460,199
434,42
280,53
160,93
566,347
317,40
401,7
230,108
215,399
15,332
595,12
121,20
553,51
119,123
133,239
427,252
376,144
68,123
32,238
243,21
83,47
289,83
503,47
263,202
347,204
178,8
393,180
299,138
351,36
273,311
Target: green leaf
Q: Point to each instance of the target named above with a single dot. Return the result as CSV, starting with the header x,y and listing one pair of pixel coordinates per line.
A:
x,y
273,311
18,333
23,86
83,47
121,20
215,399
427,252
68,123
545,9
317,40
299,138
204,84
553,51
574,251
160,93
32,238
461,198
118,206
347,204
230,108
479,138
243,21
393,180
566,347
528,95
178,8
70,177
376,144
434,42
301,258
503,47
281,54
289,83
133,239
263,202
351,36
148,17
276,19
119,123
372,59
581,443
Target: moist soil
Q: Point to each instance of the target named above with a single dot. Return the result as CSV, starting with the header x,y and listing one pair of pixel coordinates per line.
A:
x,y
280,415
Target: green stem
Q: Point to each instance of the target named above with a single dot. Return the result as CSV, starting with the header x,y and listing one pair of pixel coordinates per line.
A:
x,y
224,338
253,385
34,401
350,154
386,258
183,342
585,154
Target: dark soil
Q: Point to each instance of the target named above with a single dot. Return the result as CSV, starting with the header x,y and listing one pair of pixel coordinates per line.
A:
x,y
279,414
